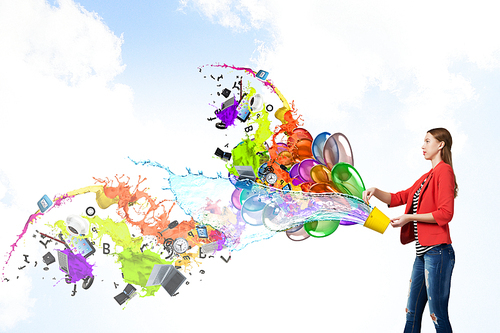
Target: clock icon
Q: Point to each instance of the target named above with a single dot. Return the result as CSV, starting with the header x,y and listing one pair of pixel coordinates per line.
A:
x,y
180,245
271,178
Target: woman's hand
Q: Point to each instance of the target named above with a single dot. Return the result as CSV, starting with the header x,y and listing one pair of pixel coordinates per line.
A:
x,y
368,194
400,221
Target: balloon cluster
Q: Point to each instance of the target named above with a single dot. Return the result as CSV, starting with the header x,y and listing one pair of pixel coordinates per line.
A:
x,y
303,185
314,166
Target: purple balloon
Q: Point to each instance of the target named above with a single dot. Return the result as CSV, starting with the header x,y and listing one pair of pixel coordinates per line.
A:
x,y
294,171
305,167
297,181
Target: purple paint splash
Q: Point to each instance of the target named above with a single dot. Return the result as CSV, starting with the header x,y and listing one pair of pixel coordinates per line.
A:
x,y
78,266
228,115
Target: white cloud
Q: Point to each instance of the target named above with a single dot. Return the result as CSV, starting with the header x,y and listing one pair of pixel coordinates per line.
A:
x,y
19,305
236,15
340,49
61,115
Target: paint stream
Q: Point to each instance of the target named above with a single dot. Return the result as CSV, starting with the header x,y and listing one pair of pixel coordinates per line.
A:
x,y
207,201
56,202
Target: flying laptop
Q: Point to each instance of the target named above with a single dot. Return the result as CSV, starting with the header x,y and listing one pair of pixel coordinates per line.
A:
x,y
126,294
167,276
245,172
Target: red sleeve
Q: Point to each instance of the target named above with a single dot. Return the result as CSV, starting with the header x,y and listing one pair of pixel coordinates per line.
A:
x,y
445,196
401,197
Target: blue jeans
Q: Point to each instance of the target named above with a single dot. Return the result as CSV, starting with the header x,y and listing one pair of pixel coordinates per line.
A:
x,y
430,281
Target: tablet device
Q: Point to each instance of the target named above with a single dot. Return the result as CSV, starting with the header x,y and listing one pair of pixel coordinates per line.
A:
x,y
78,245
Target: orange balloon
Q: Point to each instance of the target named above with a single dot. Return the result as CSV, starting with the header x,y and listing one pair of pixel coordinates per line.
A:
x,y
285,158
302,150
297,135
322,188
302,133
305,187
321,174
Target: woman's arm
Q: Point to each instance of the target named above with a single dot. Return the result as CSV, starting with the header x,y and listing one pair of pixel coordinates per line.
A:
x,y
379,194
405,218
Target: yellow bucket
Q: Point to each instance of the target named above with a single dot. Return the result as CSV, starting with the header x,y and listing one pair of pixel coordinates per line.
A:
x,y
103,201
377,221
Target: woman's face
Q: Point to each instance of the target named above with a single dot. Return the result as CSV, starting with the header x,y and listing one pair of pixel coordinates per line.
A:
x,y
431,147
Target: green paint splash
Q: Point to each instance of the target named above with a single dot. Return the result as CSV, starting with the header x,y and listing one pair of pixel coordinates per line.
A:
x,y
246,152
136,265
118,231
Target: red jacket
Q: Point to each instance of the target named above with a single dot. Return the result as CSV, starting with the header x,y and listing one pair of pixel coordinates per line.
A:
x,y
436,197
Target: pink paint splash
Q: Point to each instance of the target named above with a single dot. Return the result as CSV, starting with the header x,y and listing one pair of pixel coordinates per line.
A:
x,y
250,71
57,202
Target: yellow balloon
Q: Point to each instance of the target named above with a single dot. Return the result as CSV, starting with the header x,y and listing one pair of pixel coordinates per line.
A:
x,y
321,174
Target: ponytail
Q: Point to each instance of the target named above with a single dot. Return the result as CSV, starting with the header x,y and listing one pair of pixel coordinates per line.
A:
x,y
442,135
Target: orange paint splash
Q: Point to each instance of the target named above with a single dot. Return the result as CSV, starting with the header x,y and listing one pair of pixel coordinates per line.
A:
x,y
151,222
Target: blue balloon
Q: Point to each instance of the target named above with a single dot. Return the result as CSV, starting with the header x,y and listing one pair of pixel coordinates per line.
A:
x,y
318,145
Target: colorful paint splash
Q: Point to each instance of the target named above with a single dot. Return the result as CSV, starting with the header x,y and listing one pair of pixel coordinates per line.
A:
x,y
303,186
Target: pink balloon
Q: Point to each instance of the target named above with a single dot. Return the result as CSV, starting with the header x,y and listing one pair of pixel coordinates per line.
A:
x,y
297,234
235,198
331,152
337,149
345,151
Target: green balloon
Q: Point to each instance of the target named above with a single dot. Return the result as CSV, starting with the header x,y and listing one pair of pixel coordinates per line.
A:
x,y
347,180
320,229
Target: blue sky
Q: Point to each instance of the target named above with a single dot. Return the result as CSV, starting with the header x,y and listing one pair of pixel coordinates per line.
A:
x,y
83,88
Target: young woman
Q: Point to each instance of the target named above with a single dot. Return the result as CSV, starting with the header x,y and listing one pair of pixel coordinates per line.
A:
x,y
429,209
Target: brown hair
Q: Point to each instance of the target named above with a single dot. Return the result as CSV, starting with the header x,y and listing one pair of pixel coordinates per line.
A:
x,y
442,135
